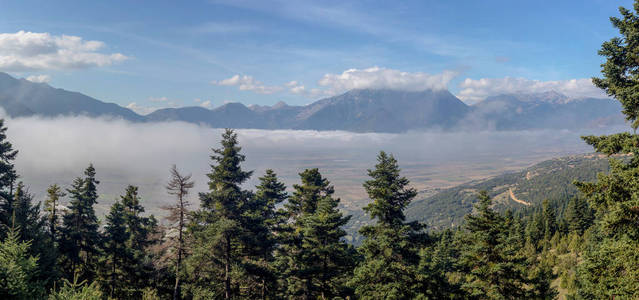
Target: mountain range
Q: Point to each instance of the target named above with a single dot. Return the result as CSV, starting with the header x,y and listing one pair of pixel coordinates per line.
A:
x,y
364,110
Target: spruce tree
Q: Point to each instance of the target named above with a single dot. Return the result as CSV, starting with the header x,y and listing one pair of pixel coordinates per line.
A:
x,y
79,238
264,222
492,263
390,247
139,266
219,226
8,177
117,254
613,247
27,217
318,260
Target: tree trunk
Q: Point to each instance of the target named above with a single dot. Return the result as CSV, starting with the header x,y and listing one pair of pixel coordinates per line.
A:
x,y
176,289
227,275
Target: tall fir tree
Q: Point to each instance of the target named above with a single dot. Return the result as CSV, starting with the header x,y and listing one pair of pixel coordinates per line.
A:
x,y
315,259
265,221
116,254
219,226
8,177
139,267
79,237
27,217
613,244
390,247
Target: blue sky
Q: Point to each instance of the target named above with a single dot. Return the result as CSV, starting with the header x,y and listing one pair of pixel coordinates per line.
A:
x,y
151,54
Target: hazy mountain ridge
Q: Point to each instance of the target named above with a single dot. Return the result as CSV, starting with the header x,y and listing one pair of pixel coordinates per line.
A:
x,y
365,110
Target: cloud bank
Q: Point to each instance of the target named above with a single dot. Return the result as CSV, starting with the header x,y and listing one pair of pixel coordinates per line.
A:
x,y
39,78
333,84
29,51
382,78
248,83
57,150
474,90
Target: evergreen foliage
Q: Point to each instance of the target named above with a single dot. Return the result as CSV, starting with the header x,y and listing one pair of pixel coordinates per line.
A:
x,y
80,240
18,269
390,247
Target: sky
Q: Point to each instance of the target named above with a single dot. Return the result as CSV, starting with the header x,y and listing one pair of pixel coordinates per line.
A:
x,y
153,54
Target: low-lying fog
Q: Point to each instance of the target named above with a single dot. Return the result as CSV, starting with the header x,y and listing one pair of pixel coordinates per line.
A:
x,y
57,150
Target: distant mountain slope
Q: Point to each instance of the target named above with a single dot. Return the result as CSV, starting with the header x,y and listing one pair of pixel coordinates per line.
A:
x,y
552,179
365,110
20,97
357,110
545,110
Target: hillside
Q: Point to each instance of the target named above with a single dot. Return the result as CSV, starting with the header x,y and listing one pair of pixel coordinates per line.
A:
x,y
20,97
551,179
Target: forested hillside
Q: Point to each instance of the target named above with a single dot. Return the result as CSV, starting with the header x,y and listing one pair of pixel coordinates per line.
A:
x,y
552,179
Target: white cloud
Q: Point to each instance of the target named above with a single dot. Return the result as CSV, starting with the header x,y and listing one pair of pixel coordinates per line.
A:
x,y
382,78
39,78
333,84
206,104
24,51
474,90
248,83
139,109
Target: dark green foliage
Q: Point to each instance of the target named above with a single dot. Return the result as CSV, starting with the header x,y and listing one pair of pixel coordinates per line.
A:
x,y
264,222
114,263
621,69
219,227
493,265
609,267
314,258
139,265
390,247
578,216
79,240
8,177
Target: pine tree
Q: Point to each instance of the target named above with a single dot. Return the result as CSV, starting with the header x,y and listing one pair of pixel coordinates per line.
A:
x,y
79,238
178,186
390,247
117,254
219,227
493,265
